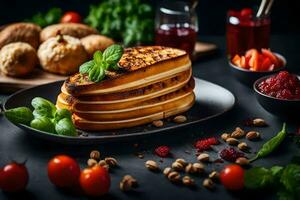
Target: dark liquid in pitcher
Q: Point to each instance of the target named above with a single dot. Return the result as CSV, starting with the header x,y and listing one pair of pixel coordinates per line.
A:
x,y
177,37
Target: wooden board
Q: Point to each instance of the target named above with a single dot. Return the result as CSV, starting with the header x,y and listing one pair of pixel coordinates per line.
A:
x,y
38,77
203,49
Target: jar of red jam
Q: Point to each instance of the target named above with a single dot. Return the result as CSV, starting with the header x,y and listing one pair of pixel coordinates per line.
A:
x,y
245,31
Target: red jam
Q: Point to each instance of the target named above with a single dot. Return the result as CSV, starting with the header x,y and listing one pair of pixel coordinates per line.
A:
x,y
282,86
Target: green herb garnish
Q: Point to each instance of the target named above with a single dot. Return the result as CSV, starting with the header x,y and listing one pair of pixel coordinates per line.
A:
x,y
271,145
108,60
45,117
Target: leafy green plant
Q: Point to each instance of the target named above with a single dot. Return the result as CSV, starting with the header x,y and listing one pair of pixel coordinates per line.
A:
x,y
20,115
101,62
271,145
286,180
127,21
52,16
45,117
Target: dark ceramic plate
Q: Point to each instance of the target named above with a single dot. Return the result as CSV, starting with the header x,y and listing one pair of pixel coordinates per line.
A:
x,y
211,101
248,77
282,108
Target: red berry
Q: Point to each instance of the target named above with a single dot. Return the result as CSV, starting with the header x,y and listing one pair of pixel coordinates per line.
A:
x,y
283,86
205,144
230,154
162,151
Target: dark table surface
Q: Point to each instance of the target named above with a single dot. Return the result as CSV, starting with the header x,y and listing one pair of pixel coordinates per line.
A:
x,y
14,144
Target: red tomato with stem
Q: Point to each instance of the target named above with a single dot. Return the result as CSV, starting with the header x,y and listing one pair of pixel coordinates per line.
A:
x,y
70,17
232,177
14,177
63,171
95,181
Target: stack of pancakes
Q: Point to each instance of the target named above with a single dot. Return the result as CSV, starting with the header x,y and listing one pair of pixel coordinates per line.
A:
x,y
153,83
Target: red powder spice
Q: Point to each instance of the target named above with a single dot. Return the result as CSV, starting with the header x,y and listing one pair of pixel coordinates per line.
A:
x,y
205,144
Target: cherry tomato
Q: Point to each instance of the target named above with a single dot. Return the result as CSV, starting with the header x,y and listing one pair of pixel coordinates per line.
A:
x,y
232,177
63,171
95,181
13,177
71,17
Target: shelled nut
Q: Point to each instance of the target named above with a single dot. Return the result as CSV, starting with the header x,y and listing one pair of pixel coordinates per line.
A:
x,y
127,183
91,162
102,163
174,176
167,171
198,167
189,168
181,161
243,146
242,161
188,181
112,162
158,123
253,135
95,155
177,166
225,136
258,122
208,183
214,175
179,119
232,141
151,165
203,157
238,133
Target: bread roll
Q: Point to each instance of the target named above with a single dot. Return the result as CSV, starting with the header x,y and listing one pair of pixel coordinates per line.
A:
x,y
93,43
20,32
17,59
62,55
71,29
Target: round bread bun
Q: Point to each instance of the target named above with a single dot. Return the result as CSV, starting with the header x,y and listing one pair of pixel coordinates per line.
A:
x,y
93,43
72,29
17,59
62,54
20,32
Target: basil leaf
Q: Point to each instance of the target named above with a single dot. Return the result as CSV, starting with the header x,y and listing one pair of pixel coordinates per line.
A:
x,y
21,115
113,54
43,107
43,124
258,177
86,67
97,57
271,145
92,72
65,127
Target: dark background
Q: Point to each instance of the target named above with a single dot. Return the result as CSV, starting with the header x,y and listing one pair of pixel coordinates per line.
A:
x,y
212,13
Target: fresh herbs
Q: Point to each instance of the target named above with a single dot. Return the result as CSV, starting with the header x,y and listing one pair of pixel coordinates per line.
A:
x,y
286,180
127,21
45,117
108,60
52,16
271,145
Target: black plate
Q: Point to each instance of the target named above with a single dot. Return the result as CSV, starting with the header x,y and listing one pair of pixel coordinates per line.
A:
x,y
211,101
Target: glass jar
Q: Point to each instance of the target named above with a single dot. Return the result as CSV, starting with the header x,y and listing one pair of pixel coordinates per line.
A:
x,y
176,25
245,31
